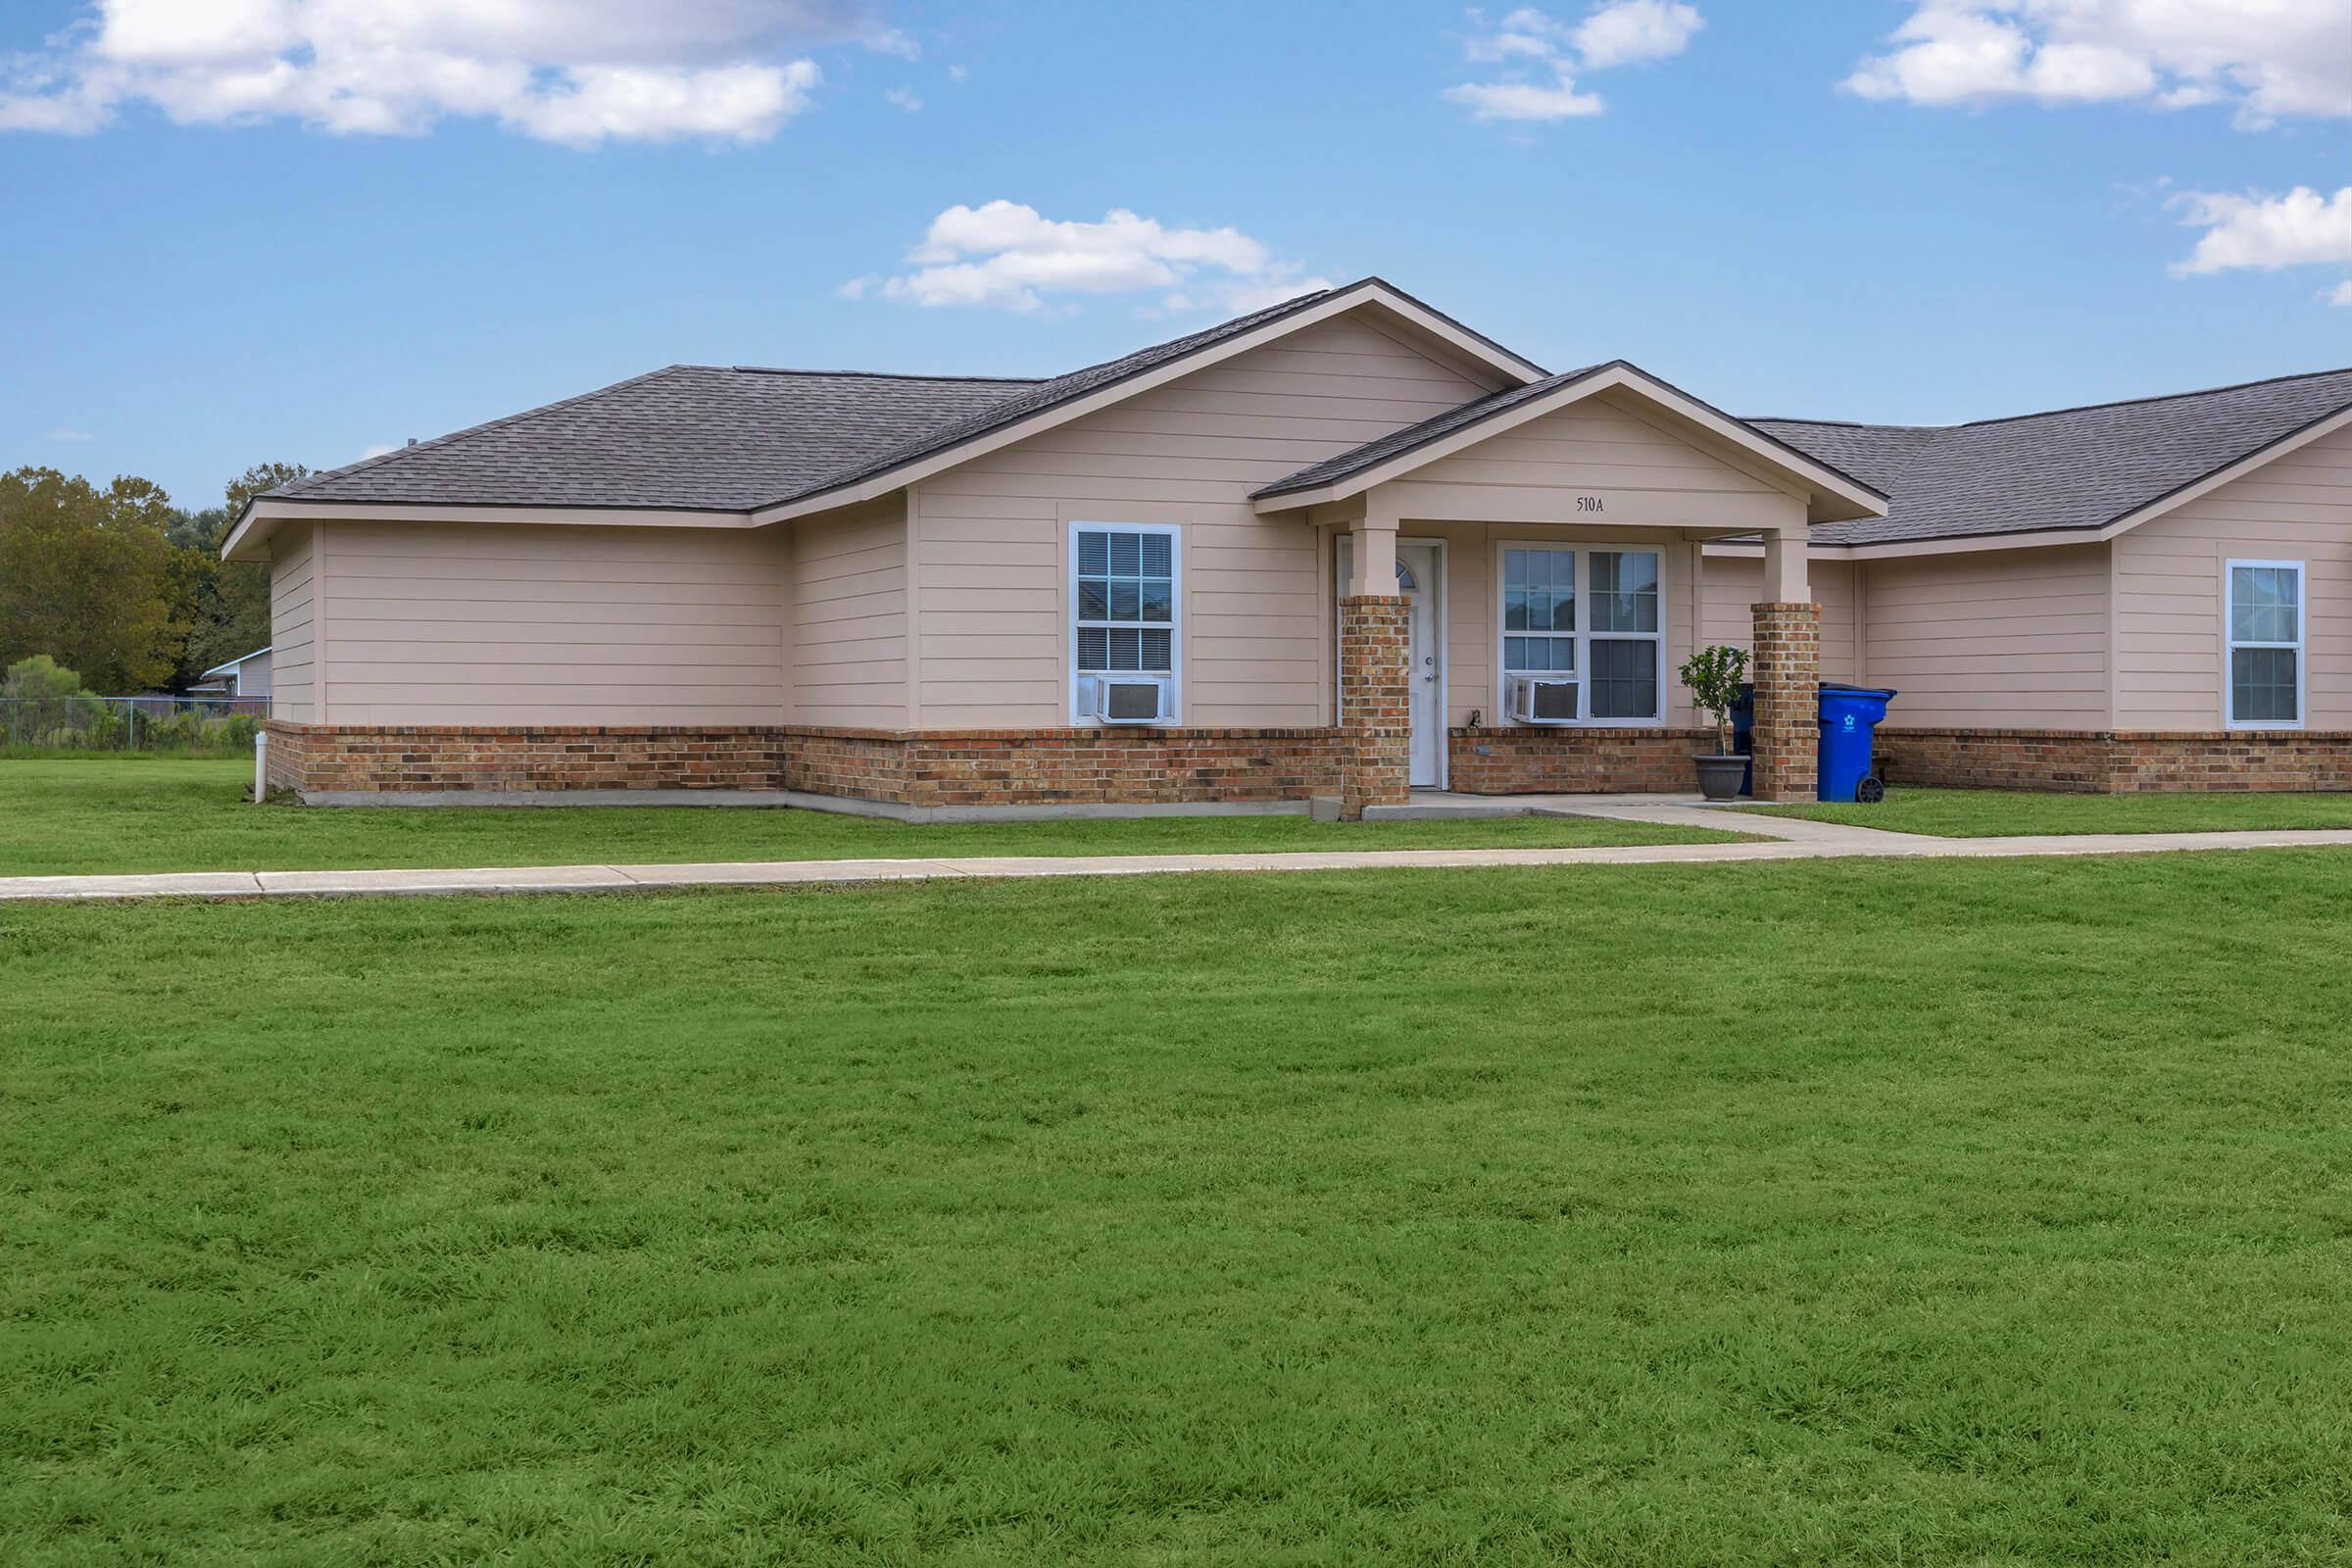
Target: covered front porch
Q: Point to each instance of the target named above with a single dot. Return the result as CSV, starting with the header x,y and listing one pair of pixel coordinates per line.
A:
x,y
1508,597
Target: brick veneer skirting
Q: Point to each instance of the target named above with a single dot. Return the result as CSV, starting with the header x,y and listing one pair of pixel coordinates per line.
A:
x,y
1117,766
2109,762
1527,760
407,758
1112,767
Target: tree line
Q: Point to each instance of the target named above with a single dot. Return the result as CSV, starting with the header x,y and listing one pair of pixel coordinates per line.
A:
x,y
122,586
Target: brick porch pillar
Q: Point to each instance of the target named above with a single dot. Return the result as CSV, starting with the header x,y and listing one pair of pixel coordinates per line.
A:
x,y
1785,667
1375,719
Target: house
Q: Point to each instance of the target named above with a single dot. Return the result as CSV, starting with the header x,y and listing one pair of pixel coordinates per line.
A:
x,y
245,678
1337,549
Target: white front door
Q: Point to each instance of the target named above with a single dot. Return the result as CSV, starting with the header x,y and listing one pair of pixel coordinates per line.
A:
x,y
1425,673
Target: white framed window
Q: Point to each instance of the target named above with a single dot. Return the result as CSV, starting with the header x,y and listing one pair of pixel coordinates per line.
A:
x,y
2263,622
1589,614
1125,607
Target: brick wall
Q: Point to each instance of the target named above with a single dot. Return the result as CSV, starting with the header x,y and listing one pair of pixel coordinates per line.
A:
x,y
1786,667
1375,702
2132,761
2071,761
1531,760
456,756
1185,766
1121,766
1115,765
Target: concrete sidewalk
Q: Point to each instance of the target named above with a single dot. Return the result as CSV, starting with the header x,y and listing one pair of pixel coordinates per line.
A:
x,y
1785,839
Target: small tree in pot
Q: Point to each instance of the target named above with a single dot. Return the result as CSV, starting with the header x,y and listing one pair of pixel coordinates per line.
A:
x,y
1713,676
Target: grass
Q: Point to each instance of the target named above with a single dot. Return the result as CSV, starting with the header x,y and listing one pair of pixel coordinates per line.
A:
x,y
1603,1216
1995,813
59,818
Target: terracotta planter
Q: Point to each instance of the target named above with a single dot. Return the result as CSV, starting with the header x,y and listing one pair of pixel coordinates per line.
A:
x,y
1719,776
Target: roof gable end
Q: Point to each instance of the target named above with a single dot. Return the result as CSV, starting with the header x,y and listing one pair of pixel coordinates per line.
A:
x,y
1834,494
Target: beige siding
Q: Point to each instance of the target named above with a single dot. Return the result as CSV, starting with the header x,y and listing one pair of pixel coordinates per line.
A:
x,y
466,623
2168,637
1998,638
1595,445
849,619
992,536
1732,585
291,638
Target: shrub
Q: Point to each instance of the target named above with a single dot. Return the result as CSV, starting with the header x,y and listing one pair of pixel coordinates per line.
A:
x,y
1713,676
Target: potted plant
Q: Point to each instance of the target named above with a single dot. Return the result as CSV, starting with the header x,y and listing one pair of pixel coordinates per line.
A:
x,y
1713,676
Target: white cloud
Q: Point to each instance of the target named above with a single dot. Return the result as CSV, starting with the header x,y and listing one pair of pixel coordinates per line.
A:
x,y
2341,294
66,432
1634,30
958,72
1006,255
578,72
2263,233
381,449
2271,58
905,98
1540,56
1524,100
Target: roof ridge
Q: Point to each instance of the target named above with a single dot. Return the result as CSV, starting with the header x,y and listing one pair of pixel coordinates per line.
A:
x,y
2073,408
2160,397
435,443
876,375
1850,424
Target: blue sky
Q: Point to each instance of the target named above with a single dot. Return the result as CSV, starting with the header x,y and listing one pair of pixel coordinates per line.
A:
x,y
244,236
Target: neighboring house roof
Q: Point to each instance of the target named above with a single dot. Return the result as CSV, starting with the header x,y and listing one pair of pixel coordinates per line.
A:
x,y
1391,454
227,665
690,437
2071,470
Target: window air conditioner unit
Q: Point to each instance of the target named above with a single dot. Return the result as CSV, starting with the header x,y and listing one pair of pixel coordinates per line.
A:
x,y
1131,698
1543,700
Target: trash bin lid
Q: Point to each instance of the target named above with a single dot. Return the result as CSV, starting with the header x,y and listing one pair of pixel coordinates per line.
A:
x,y
1843,689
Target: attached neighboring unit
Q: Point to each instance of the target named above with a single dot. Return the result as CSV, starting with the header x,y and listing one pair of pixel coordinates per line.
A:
x,y
1343,547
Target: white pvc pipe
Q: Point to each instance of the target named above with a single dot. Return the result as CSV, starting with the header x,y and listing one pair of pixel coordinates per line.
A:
x,y
261,767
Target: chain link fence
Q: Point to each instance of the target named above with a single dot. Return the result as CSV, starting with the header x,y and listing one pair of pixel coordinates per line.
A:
x,y
86,722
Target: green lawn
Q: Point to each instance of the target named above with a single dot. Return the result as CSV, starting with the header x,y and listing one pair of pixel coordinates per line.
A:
x,y
1995,813
165,814
1823,1213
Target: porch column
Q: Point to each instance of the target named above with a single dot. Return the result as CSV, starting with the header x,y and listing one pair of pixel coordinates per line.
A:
x,y
1785,667
1376,725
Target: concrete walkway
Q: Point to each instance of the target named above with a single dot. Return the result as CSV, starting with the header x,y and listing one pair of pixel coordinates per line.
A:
x,y
1779,838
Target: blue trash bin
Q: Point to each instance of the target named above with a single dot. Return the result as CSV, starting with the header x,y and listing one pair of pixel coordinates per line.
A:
x,y
1848,716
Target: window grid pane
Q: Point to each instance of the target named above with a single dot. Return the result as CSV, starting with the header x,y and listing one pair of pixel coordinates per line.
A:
x,y
1625,590
1126,602
2262,685
1625,678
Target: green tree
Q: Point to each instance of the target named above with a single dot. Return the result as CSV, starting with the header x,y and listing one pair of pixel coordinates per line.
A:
x,y
87,576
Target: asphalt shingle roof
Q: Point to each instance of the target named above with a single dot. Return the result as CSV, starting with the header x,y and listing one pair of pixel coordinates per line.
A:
x,y
712,438
702,438
692,436
2070,468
